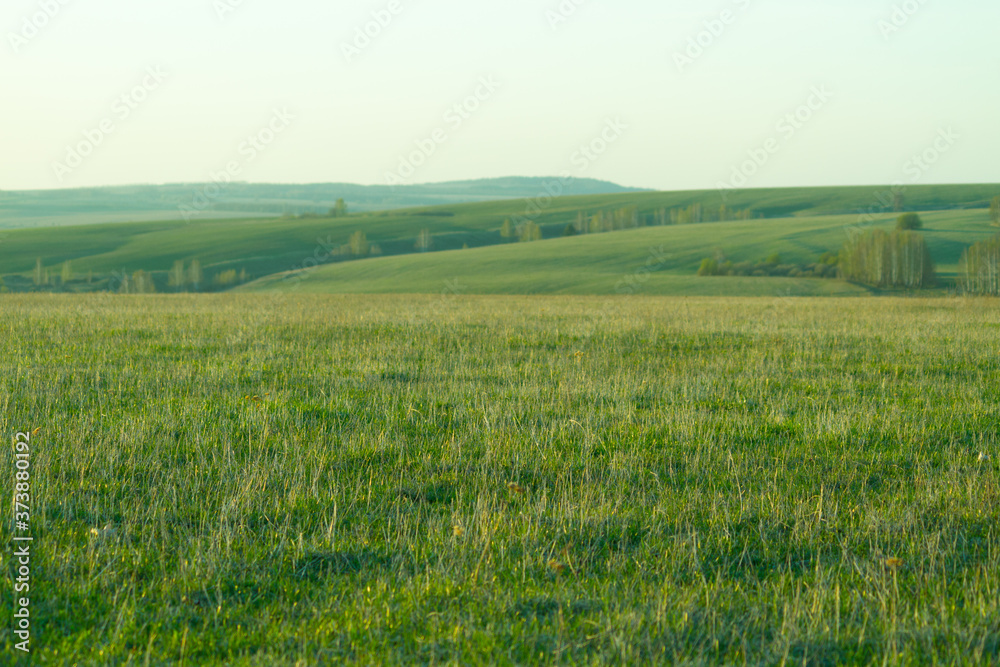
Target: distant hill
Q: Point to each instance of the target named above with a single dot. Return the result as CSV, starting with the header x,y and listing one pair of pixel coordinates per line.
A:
x,y
138,203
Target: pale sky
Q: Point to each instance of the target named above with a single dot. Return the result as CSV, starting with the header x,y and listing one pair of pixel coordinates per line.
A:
x,y
226,70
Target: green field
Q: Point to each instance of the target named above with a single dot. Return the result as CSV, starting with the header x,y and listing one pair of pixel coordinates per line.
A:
x,y
254,480
799,223
659,260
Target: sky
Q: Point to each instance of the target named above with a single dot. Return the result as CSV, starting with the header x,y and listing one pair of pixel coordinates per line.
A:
x,y
662,94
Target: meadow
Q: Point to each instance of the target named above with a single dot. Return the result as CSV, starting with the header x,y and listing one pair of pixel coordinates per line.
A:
x,y
313,479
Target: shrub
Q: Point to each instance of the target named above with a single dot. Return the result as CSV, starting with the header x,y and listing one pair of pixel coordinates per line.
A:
x,y
723,267
225,278
909,221
709,267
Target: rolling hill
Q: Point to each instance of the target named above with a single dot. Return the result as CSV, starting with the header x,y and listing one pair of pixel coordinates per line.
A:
x,y
800,224
650,261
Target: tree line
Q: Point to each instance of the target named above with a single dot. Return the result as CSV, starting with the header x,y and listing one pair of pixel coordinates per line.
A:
x,y
981,268
878,258
874,257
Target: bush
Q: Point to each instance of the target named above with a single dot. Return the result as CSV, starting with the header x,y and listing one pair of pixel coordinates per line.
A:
x,y
767,267
909,221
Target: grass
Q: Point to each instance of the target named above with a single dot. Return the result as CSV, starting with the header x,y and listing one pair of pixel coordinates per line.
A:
x,y
652,260
531,480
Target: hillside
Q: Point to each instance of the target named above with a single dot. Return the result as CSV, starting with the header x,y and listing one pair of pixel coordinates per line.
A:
x,y
649,261
256,248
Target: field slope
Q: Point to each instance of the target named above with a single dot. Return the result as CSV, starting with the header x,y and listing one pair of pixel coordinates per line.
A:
x,y
654,260
797,224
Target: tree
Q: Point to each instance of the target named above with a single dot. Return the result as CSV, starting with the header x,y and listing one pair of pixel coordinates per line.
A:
x,y
995,210
596,223
909,221
339,209
530,231
145,283
507,231
67,273
177,277
898,200
359,244
140,283
981,268
881,259
424,241
39,272
195,275
570,230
